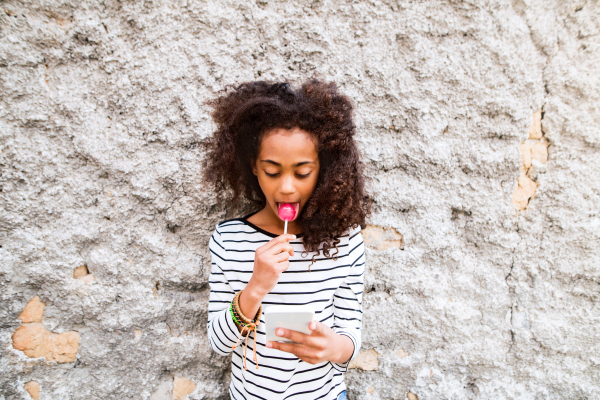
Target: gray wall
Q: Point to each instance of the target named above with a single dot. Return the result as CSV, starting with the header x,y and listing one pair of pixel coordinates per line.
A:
x,y
477,287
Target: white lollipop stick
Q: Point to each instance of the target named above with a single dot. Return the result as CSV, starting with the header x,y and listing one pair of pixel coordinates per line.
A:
x,y
285,228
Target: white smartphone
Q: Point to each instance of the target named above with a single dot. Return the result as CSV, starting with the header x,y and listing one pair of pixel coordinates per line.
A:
x,y
295,318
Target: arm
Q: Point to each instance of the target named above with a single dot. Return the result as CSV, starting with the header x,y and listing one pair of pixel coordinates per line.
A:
x,y
222,330
270,260
347,300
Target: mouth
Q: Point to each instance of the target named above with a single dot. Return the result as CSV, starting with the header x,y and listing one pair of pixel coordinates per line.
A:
x,y
295,206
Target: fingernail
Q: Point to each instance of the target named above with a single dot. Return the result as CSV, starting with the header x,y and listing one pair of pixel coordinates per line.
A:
x,y
270,345
293,236
279,332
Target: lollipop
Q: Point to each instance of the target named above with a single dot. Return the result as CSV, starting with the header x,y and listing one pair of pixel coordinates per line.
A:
x,y
286,212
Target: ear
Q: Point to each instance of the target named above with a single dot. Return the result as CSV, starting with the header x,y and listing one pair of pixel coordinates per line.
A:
x,y
253,166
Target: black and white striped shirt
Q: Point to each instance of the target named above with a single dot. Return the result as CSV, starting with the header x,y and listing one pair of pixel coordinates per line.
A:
x,y
333,289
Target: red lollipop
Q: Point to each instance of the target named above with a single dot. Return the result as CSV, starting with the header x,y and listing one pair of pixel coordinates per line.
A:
x,y
286,212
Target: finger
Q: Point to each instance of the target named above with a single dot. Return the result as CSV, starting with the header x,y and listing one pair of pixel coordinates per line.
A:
x,y
281,257
315,327
302,352
311,360
294,336
283,266
298,350
281,248
280,239
290,249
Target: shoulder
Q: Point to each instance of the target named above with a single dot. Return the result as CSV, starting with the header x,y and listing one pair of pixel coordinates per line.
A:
x,y
355,244
350,236
354,235
356,231
229,225
229,222
235,233
350,240
226,228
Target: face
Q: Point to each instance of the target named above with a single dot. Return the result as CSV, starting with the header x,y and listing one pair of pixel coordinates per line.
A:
x,y
287,168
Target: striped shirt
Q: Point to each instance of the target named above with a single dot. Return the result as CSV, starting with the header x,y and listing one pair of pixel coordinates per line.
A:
x,y
333,289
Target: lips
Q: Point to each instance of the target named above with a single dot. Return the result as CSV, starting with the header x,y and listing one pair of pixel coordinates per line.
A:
x,y
280,211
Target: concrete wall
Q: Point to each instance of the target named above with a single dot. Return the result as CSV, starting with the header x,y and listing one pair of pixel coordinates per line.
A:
x,y
479,123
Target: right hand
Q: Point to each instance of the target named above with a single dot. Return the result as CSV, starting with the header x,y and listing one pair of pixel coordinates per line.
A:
x,y
270,260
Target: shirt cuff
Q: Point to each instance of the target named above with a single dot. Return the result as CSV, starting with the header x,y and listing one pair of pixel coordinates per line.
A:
x,y
225,332
343,367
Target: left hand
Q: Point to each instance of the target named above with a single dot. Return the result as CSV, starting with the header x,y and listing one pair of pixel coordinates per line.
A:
x,y
323,344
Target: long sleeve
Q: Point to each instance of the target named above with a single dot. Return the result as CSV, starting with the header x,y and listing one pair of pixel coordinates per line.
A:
x,y
347,300
222,330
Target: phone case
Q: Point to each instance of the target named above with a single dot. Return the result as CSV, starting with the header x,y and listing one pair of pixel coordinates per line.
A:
x,y
295,318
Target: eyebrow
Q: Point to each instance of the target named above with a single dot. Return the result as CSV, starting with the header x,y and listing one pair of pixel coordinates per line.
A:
x,y
294,165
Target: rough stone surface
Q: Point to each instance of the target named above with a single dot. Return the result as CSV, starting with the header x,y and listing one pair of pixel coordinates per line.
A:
x,y
535,130
101,119
82,273
164,390
401,353
35,341
366,360
182,387
33,388
33,311
380,238
524,192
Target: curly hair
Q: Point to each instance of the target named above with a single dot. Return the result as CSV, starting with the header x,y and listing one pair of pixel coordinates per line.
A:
x,y
244,113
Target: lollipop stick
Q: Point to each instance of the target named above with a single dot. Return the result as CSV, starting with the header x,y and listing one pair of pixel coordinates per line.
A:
x,y
285,228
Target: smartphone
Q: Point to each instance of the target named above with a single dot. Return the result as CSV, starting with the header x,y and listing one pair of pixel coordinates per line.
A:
x,y
295,318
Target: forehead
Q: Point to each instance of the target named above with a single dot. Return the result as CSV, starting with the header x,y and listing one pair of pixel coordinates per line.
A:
x,y
291,144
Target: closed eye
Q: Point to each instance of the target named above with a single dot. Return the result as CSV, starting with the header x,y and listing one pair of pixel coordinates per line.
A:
x,y
277,174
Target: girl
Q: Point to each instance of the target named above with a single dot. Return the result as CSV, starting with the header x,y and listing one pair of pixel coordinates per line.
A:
x,y
278,146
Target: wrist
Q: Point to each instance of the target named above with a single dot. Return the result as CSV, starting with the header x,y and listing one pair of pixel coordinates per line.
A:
x,y
249,301
254,291
345,350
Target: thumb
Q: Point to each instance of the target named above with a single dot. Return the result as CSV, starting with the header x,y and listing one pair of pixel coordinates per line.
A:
x,y
315,327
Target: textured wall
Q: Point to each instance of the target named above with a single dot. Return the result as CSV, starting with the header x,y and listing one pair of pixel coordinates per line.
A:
x,y
483,262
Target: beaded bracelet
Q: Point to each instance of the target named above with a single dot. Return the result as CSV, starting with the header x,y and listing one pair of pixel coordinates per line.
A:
x,y
247,325
240,316
237,318
234,316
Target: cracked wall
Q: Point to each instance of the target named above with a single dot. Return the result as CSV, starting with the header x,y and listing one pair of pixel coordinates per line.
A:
x,y
480,130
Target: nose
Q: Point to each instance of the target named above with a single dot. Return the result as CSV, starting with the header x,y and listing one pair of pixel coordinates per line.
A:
x,y
287,185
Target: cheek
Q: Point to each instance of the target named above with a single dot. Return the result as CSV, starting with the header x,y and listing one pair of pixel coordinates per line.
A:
x,y
267,185
311,184
262,182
